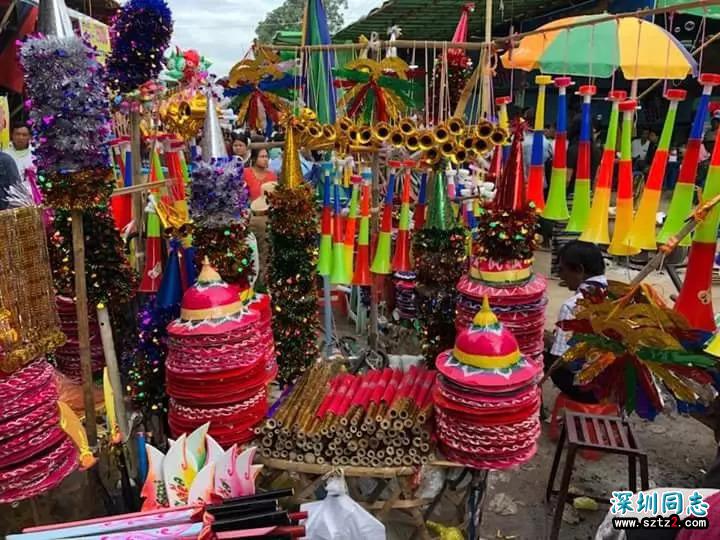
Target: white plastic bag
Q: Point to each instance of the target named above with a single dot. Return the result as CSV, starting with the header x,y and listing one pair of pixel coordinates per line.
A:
x,y
339,517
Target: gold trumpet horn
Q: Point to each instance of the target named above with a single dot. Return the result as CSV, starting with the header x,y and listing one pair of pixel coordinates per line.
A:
x,y
407,126
314,130
412,142
365,135
329,132
442,134
381,131
397,138
345,124
460,156
481,146
456,126
485,129
447,149
426,139
354,134
432,156
499,136
468,143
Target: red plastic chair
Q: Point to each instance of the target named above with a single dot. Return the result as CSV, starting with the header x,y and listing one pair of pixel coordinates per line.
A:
x,y
564,403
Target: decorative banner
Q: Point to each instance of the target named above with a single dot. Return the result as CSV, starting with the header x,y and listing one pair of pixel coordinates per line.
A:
x,y
4,123
97,35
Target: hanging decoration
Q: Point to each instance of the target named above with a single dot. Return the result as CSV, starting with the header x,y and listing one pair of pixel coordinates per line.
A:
x,y
260,90
581,194
68,112
377,91
185,68
630,343
140,33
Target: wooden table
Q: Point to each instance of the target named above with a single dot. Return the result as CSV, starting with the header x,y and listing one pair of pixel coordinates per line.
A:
x,y
394,490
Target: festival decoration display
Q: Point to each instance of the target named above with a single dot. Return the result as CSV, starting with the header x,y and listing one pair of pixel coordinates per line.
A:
x,y
420,203
536,174
596,231
196,470
325,261
152,273
377,91
382,262
111,280
341,274
319,90
140,34
487,399
185,67
581,194
67,356
376,419
439,256
501,263
401,258
219,207
642,235
557,208
684,192
631,342
35,453
695,299
637,47
361,273
293,254
239,517
624,198
351,224
260,90
70,122
29,325
221,356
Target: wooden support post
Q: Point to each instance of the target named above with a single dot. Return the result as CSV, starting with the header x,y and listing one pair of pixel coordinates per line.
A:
x,y
377,280
138,206
112,366
81,311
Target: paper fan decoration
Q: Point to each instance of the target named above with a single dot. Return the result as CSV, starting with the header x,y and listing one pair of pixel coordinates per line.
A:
x,y
631,343
377,91
260,89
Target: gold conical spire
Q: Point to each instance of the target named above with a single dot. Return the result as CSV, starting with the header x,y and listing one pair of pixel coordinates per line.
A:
x,y
485,317
291,173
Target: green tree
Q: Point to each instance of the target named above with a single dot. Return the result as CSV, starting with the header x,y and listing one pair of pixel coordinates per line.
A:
x,y
289,16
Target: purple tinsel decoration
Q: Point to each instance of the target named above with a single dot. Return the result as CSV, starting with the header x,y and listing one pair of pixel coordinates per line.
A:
x,y
140,33
219,194
68,104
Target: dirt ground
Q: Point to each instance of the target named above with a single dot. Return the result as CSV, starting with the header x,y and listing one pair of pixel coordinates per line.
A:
x,y
680,449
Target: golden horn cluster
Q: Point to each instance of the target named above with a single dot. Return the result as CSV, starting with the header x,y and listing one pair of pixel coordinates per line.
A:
x,y
184,116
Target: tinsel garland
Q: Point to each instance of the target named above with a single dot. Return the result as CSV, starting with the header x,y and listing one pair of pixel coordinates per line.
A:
x,y
457,77
506,235
68,110
140,33
110,279
146,374
292,224
439,263
219,208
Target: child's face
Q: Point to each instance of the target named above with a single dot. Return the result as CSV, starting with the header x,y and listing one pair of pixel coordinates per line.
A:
x,y
571,276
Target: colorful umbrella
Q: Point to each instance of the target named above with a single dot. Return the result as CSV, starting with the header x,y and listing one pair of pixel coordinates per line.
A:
x,y
712,12
641,49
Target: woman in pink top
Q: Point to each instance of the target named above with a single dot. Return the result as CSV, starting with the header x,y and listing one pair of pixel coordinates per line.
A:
x,y
258,173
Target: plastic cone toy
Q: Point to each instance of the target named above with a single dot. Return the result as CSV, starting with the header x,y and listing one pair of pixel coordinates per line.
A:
x,y
362,275
581,194
54,19
351,222
682,199
381,262
325,260
401,259
152,273
213,143
510,187
440,214
556,207
122,204
643,232
695,298
596,231
421,204
624,199
503,122
536,174
340,274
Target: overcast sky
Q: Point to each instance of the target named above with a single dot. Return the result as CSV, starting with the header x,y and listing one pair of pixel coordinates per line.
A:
x,y
222,30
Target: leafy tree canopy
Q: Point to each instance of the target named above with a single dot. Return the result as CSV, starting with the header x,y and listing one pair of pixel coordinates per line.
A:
x,y
289,16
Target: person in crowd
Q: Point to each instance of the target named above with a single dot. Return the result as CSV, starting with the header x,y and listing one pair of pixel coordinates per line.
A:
x,y
239,147
582,270
709,137
258,173
652,148
13,190
20,149
640,146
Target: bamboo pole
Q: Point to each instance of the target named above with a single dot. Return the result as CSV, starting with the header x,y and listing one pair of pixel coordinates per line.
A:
x,y
501,41
138,207
81,311
108,344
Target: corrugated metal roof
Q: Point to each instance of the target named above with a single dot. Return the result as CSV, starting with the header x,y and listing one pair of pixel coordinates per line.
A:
x,y
437,19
